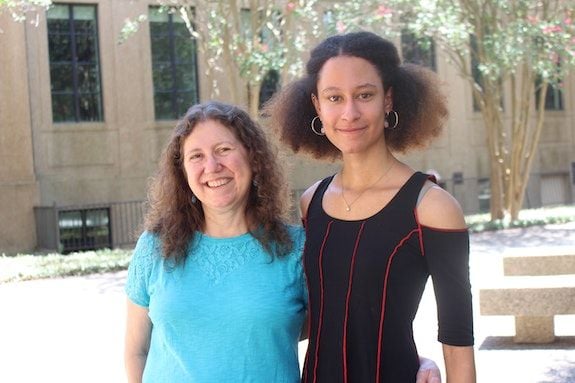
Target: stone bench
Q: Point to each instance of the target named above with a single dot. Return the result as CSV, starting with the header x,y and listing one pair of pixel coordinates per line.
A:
x,y
534,289
558,263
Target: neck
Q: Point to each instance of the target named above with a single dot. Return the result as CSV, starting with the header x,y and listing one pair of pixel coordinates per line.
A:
x,y
358,171
225,224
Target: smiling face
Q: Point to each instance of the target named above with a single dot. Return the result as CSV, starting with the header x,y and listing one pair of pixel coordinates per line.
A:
x,y
352,103
217,167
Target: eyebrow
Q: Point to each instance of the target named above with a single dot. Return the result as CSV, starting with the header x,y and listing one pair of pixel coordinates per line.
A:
x,y
225,142
334,88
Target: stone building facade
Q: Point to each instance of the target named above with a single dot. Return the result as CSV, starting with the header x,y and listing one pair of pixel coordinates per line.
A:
x,y
80,145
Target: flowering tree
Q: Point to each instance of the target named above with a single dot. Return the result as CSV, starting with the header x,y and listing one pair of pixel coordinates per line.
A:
x,y
21,10
523,45
248,39
519,48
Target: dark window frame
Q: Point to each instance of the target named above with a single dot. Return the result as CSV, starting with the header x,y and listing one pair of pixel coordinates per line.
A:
x,y
95,93
80,235
175,109
553,96
414,51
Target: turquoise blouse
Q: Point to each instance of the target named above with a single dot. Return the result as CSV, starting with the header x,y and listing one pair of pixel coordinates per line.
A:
x,y
230,313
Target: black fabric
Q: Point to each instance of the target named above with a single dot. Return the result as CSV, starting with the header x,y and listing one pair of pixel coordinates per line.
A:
x,y
395,254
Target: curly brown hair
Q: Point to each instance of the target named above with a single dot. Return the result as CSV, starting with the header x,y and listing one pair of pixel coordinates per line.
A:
x,y
175,216
417,97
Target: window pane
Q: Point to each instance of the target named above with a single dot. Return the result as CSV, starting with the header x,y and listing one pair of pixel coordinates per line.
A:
x,y
58,12
161,48
163,106
173,65
84,12
58,26
74,63
63,107
85,48
61,76
270,85
84,229
184,100
90,107
157,15
70,224
186,79
417,51
60,47
88,79
163,77
553,97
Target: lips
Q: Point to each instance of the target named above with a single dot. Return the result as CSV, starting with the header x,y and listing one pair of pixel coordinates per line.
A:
x,y
350,130
218,182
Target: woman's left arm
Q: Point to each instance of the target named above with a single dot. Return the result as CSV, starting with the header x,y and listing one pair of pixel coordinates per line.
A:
x,y
448,260
459,364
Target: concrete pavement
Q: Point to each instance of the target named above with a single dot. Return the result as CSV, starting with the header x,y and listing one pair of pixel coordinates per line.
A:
x,y
71,330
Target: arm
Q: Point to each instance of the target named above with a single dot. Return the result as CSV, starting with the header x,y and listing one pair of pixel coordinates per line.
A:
x,y
439,210
137,341
459,363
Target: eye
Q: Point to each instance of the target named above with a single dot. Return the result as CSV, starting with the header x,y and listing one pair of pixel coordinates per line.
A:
x,y
365,96
334,98
222,150
194,157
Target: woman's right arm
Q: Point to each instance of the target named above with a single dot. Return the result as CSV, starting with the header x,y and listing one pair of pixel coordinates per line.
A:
x,y
137,342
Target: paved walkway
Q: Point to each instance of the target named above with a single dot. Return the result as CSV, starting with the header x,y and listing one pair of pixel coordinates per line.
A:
x,y
71,330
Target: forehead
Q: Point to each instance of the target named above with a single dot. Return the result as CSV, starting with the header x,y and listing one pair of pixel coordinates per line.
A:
x,y
347,72
207,134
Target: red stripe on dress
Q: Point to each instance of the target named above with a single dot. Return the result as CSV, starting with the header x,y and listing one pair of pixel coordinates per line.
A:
x,y
320,319
351,268
383,300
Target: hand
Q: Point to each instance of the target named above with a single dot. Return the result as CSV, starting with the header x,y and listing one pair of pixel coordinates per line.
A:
x,y
428,371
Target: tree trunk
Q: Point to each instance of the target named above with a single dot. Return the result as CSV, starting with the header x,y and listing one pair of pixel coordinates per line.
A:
x,y
254,98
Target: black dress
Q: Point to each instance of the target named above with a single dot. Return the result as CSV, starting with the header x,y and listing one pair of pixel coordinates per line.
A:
x,y
365,281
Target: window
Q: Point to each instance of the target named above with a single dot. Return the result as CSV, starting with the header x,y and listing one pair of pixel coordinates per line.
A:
x,y
419,51
74,63
84,229
270,85
553,96
174,65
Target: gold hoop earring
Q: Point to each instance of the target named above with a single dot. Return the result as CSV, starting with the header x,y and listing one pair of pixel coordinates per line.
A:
x,y
321,132
395,120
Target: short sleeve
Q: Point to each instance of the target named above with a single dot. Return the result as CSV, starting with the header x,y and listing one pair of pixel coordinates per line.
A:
x,y
298,235
140,269
447,256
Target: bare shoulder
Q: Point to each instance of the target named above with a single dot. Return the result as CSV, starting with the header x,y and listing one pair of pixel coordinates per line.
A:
x,y
306,197
439,209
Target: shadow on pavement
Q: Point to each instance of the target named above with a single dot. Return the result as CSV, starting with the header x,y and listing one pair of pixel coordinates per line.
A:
x,y
507,343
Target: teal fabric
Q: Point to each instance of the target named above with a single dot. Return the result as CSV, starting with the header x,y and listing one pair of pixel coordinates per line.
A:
x,y
230,313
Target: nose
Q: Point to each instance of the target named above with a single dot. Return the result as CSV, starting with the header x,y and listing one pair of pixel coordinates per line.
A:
x,y
351,111
212,164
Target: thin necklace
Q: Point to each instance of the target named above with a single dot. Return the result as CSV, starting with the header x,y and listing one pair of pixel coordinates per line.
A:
x,y
349,205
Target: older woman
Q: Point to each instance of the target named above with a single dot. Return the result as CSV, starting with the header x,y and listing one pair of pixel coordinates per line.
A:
x,y
216,288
